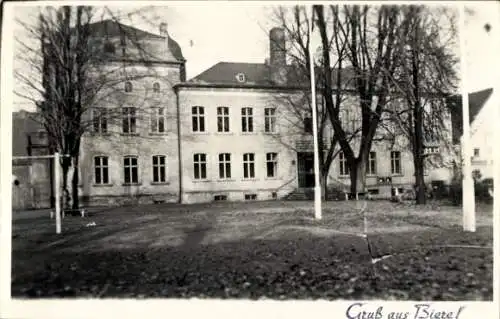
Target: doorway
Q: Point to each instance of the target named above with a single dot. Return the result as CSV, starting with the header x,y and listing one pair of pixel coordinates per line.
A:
x,y
305,169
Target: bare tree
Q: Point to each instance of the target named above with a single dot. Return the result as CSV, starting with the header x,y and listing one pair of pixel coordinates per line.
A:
x,y
425,76
74,70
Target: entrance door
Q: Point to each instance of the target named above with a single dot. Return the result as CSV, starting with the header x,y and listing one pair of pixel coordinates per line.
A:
x,y
305,169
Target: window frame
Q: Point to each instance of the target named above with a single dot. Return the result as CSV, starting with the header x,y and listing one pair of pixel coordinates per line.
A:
x,y
249,166
224,161
198,118
223,119
130,167
129,116
270,120
128,87
247,125
272,159
156,87
99,123
198,164
372,160
102,168
157,118
158,168
343,167
394,160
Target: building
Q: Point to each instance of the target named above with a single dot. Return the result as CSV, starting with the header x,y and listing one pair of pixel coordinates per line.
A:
x,y
237,131
32,178
482,118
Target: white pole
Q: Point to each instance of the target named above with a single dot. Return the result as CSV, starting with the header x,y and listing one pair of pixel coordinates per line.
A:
x,y
317,185
57,189
468,198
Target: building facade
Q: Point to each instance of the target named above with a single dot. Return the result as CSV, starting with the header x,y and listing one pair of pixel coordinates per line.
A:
x,y
237,131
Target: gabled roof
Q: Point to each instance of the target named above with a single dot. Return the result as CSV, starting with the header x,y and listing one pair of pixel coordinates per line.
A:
x,y
477,100
256,75
112,29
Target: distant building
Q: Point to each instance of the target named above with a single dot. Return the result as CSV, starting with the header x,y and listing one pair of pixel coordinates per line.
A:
x,y
32,178
482,117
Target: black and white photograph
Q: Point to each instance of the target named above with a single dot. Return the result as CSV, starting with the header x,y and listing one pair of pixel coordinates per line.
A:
x,y
252,151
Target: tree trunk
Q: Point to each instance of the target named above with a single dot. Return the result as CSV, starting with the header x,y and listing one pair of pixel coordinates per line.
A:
x,y
419,179
357,172
324,186
74,184
66,163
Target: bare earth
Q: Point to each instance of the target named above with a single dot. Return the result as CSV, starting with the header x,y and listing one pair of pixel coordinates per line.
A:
x,y
256,250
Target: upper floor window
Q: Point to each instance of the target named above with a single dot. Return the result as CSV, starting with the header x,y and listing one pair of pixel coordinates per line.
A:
x,y
222,119
371,165
247,119
156,87
396,162
128,86
270,120
198,118
129,120
158,120
99,120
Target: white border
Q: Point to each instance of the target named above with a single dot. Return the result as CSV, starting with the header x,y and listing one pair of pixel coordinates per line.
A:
x,y
188,308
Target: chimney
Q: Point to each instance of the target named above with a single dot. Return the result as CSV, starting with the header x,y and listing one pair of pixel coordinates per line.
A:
x,y
164,29
277,56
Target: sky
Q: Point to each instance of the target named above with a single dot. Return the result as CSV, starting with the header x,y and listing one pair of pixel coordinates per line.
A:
x,y
209,33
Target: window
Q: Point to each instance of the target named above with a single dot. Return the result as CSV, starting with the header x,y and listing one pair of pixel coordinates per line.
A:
x,y
343,167
198,114
101,170
247,119
371,165
240,77
222,119
109,47
224,165
129,119
156,87
395,162
248,165
100,120
128,87
308,125
272,164
159,169
270,120
250,196
131,175
218,198
476,152
158,120
200,166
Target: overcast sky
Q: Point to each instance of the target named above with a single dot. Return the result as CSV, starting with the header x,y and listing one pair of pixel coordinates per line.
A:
x,y
209,33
